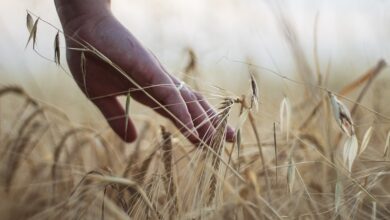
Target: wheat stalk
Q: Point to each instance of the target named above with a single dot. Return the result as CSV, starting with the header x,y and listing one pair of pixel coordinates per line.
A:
x,y
218,143
170,185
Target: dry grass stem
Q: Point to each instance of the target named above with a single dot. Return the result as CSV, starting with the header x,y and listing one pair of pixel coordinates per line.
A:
x,y
54,168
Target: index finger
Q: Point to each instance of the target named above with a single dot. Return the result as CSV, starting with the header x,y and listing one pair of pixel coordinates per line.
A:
x,y
170,100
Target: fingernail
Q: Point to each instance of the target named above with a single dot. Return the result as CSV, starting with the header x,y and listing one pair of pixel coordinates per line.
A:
x,y
230,134
230,131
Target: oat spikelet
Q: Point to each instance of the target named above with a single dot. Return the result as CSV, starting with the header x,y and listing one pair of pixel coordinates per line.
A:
x,y
387,151
366,140
291,175
29,22
350,152
255,94
57,54
169,180
342,115
373,213
33,33
218,143
276,153
127,110
83,66
338,195
285,116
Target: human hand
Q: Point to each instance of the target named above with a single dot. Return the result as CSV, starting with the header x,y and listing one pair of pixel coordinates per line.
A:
x,y
94,24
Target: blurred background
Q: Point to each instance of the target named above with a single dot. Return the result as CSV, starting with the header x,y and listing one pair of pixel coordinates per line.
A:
x,y
352,35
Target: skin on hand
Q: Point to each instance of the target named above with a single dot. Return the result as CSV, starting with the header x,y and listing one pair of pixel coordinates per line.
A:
x,y
91,21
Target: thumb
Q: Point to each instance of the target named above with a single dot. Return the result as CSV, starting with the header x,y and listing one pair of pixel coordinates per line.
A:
x,y
116,118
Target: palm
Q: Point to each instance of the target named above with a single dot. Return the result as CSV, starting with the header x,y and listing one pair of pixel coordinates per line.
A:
x,y
102,83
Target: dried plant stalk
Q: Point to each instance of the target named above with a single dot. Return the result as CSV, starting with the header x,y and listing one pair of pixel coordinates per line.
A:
x,y
169,180
370,74
218,143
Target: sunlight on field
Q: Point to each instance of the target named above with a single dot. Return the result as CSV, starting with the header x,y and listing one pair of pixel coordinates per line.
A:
x,y
304,84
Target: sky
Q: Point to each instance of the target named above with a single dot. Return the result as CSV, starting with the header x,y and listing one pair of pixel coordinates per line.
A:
x,y
223,33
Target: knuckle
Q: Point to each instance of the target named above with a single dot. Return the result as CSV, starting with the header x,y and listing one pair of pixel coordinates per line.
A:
x,y
169,94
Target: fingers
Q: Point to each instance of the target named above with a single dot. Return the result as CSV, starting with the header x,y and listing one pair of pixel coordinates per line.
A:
x,y
182,107
212,114
173,102
203,115
116,118
199,117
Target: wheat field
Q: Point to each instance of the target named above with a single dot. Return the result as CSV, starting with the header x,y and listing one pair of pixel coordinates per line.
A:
x,y
317,150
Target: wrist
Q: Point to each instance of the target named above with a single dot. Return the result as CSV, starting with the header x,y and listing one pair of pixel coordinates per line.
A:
x,y
74,12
